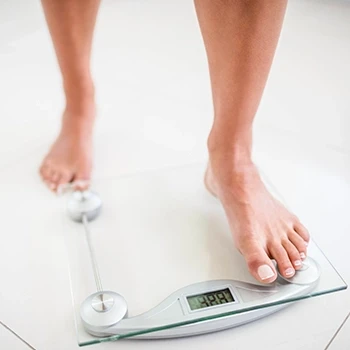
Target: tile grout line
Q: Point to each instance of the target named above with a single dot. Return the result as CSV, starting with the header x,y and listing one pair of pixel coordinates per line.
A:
x,y
337,332
17,336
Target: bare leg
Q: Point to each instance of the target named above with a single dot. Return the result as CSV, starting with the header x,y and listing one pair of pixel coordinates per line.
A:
x,y
71,25
240,37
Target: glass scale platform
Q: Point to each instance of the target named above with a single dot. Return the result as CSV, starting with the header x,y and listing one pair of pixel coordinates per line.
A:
x,y
159,262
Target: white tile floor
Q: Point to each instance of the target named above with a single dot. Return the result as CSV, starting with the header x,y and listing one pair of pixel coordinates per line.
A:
x,y
155,103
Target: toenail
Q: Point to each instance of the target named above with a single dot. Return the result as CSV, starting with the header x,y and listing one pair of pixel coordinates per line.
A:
x,y
81,184
302,255
306,243
265,272
297,263
52,186
289,272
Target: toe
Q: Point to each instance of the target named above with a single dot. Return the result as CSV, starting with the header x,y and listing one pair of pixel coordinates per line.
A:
x,y
302,231
81,185
52,178
259,264
65,179
299,243
55,176
52,186
279,253
55,180
45,172
293,253
49,184
49,176
81,181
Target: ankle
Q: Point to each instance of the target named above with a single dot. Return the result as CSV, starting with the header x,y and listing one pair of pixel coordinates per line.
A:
x,y
230,160
80,98
83,109
230,149
79,116
228,171
230,180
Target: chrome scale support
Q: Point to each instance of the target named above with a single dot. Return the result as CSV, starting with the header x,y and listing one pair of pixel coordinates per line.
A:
x,y
83,207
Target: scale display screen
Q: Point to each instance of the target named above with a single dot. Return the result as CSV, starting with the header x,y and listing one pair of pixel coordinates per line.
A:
x,y
217,297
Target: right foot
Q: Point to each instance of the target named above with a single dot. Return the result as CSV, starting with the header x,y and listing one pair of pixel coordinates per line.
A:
x,y
262,228
70,157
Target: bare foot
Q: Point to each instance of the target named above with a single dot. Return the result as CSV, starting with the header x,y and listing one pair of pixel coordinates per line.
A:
x,y
263,229
70,157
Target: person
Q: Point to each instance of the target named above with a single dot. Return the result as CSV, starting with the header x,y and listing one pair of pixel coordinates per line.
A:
x,y
240,38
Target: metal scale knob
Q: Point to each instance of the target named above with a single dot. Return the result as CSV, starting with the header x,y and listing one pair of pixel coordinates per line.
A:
x,y
82,204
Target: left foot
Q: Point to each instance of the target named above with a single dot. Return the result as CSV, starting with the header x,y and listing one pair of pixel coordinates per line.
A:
x,y
262,228
70,157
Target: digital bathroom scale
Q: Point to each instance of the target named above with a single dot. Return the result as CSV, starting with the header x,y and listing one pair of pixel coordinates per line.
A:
x,y
158,261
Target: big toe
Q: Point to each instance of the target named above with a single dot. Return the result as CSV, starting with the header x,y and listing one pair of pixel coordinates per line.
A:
x,y
81,181
259,264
